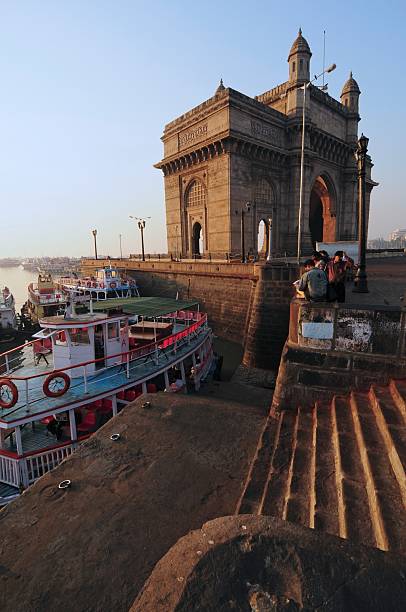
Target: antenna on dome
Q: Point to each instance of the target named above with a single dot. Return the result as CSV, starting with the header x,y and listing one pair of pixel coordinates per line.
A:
x,y
324,55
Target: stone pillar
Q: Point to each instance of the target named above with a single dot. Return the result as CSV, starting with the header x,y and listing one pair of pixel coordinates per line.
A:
x,y
268,323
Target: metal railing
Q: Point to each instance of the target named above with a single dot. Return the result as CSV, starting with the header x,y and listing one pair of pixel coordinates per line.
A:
x,y
45,461
31,389
9,470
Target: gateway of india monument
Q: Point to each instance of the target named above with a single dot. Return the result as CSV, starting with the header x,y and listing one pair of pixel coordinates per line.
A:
x,y
235,156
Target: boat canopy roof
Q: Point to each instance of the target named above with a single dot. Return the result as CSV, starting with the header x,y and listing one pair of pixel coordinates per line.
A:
x,y
144,306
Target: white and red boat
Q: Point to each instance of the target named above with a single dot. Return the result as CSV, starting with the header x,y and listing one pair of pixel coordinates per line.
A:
x,y
107,283
80,369
45,298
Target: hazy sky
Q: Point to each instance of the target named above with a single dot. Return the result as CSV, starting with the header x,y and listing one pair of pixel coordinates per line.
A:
x,y
87,86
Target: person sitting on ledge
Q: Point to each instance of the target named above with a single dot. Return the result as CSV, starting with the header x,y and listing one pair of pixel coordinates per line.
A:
x,y
313,283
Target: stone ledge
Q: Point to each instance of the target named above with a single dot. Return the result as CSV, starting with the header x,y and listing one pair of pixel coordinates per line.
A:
x,y
248,562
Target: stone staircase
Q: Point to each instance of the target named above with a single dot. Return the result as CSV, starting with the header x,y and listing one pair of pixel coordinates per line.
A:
x,y
337,467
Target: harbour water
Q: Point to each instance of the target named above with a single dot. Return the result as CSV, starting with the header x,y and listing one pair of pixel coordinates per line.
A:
x,y
17,280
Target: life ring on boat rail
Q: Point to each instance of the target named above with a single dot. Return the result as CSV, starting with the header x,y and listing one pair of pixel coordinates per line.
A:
x,y
8,393
113,285
56,384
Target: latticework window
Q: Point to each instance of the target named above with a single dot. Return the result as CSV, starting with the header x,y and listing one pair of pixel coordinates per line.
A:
x,y
196,195
263,194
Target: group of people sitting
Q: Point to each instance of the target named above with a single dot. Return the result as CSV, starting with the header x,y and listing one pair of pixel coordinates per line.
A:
x,y
324,277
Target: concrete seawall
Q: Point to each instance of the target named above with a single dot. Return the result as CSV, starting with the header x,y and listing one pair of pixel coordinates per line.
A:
x,y
246,303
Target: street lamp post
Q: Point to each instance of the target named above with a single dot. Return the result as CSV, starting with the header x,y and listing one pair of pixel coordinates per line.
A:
x,y
361,279
301,188
121,248
94,232
247,208
141,227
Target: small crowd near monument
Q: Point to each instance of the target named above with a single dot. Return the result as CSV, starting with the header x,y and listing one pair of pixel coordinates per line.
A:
x,y
324,277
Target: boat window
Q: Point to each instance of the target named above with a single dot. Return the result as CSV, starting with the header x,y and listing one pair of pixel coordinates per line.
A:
x,y
79,336
60,339
113,274
112,330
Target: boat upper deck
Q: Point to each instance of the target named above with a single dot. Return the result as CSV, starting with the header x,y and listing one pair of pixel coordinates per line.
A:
x,y
130,368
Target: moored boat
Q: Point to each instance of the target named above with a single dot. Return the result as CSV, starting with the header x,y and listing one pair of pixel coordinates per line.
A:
x,y
45,298
8,319
81,369
107,283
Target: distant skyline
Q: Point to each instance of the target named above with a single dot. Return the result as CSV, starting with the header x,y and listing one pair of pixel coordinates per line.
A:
x,y
87,88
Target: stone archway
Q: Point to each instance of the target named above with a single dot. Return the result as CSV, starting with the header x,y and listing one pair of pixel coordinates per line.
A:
x,y
322,218
197,239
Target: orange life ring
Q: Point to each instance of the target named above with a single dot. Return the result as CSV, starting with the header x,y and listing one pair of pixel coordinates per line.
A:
x,y
58,391
113,285
11,391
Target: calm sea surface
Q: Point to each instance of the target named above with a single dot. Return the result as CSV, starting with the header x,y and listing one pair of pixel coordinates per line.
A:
x,y
17,280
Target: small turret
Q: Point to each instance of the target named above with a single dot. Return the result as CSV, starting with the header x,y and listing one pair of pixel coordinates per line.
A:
x,y
350,95
299,60
220,88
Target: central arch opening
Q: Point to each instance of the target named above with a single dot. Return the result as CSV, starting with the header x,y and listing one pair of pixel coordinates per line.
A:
x,y
197,239
322,222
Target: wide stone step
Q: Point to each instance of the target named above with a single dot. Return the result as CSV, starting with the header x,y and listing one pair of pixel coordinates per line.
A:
x,y
357,524
384,494
277,489
251,499
301,495
397,389
327,492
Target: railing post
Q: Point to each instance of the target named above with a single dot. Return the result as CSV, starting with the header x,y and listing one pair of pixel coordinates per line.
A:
x,y
72,424
23,469
7,366
144,388
156,353
128,365
85,378
26,392
167,386
183,374
114,404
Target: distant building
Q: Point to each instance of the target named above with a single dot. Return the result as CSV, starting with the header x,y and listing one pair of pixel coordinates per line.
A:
x,y
233,149
398,234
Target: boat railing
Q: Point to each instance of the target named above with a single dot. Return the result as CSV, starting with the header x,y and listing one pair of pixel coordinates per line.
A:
x,y
16,470
9,470
56,295
16,358
32,391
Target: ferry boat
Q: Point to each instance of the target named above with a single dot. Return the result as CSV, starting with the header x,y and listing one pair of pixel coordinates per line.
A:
x,y
8,319
106,284
45,298
81,369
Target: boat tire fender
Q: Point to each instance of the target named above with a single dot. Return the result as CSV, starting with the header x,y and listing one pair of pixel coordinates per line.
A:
x,y
57,392
13,393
